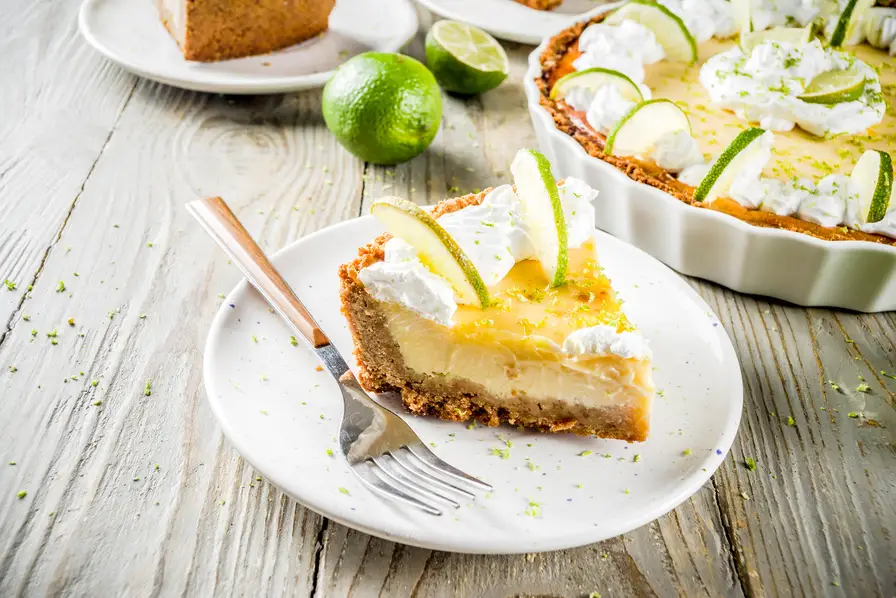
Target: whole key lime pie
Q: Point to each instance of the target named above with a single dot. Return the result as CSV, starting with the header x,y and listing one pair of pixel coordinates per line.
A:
x,y
494,307
779,113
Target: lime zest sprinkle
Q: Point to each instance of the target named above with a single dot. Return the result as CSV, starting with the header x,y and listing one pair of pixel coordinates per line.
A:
x,y
863,388
750,462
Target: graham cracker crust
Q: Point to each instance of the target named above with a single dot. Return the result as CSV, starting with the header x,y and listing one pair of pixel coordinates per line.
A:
x,y
554,57
223,29
383,369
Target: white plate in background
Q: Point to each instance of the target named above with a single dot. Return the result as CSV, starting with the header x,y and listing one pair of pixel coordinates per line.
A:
x,y
283,415
509,20
130,34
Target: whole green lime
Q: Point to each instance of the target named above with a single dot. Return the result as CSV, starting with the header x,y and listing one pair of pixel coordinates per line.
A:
x,y
384,108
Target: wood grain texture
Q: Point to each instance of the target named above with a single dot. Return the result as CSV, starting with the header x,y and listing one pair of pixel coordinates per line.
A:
x,y
141,284
58,105
107,163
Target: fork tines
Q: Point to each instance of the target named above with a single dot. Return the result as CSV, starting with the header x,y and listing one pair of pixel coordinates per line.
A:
x,y
414,475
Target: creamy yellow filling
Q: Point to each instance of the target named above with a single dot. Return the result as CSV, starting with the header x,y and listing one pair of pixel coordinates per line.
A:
x,y
524,304
795,153
513,347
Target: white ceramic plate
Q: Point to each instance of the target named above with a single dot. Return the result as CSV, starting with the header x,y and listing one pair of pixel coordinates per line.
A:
x,y
855,275
506,19
130,34
282,415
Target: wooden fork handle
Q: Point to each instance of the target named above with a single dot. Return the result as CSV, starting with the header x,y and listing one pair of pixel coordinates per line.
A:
x,y
219,221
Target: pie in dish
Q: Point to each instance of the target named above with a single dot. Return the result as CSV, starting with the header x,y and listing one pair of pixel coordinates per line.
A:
x,y
493,307
211,30
725,108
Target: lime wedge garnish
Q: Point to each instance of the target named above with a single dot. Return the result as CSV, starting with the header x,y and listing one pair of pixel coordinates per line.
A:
x,y
465,59
742,13
833,87
849,21
743,149
670,31
798,36
873,178
435,247
542,212
638,131
594,79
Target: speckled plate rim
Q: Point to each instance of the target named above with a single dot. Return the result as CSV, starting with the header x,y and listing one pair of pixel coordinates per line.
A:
x,y
232,83
700,472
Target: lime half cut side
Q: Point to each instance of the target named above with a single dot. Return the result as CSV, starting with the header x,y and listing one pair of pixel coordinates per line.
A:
x,y
465,59
834,87
436,248
872,176
670,31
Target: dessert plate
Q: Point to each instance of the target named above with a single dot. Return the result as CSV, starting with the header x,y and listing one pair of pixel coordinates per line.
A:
x,y
551,491
509,20
130,34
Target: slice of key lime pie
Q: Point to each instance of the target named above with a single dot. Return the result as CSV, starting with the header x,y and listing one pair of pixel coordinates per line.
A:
x,y
776,112
494,307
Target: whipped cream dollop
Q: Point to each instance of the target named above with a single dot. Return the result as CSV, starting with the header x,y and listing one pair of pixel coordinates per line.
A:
x,y
787,13
704,18
880,28
763,87
626,48
833,201
606,106
602,339
402,278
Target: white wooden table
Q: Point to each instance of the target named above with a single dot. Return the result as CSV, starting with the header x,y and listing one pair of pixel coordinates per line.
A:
x,y
136,495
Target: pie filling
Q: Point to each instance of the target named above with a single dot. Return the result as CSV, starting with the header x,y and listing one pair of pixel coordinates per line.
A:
x,y
800,180
555,358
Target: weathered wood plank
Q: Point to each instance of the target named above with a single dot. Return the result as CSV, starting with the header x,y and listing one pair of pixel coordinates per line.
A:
x,y
58,104
816,516
141,283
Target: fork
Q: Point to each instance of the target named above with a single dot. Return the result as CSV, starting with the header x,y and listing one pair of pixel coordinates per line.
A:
x,y
380,448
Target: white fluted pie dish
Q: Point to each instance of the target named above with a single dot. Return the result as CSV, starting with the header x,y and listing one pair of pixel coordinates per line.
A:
x,y
792,266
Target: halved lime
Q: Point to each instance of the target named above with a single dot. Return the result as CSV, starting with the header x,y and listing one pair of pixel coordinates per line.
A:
x,y
798,36
595,78
833,87
739,152
849,21
638,131
435,247
873,178
465,59
670,31
542,212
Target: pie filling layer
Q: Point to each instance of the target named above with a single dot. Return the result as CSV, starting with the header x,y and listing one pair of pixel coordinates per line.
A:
x,y
804,184
555,358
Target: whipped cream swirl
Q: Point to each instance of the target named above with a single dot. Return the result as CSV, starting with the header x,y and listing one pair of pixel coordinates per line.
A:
x,y
704,18
402,278
626,48
880,29
763,87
